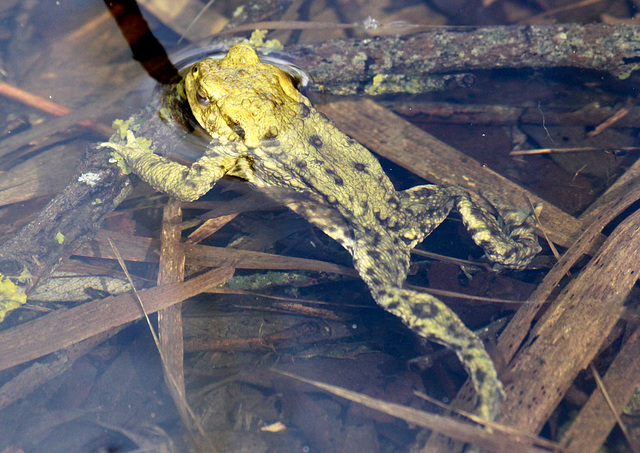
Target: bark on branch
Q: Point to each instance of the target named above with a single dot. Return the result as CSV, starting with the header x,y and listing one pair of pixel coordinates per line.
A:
x,y
350,65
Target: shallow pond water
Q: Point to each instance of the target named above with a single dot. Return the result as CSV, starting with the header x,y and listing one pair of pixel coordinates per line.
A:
x,y
294,304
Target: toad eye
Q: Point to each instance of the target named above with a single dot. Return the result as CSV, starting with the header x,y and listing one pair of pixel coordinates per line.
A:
x,y
194,70
201,98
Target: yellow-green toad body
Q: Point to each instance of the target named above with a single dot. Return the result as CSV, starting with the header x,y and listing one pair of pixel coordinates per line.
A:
x,y
264,131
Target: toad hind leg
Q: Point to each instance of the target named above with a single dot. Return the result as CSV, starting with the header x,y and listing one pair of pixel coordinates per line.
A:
x,y
429,317
382,261
506,236
383,267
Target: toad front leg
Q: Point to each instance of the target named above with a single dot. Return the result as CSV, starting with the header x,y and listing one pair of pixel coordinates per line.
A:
x,y
179,181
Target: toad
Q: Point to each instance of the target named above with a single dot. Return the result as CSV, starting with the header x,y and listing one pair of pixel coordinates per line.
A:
x,y
266,132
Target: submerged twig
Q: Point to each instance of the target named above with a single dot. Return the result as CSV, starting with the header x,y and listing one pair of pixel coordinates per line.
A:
x,y
607,398
499,439
175,381
48,106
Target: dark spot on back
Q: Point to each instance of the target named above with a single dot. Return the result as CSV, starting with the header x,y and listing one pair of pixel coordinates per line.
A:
x,y
301,164
429,311
509,253
381,221
394,226
467,358
315,141
393,305
337,179
360,167
424,192
304,110
373,254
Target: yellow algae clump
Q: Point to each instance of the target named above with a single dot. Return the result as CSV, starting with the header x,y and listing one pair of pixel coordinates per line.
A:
x,y
125,137
121,127
257,40
11,297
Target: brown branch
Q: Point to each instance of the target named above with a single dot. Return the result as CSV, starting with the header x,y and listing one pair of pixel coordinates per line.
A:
x,y
499,439
96,189
76,213
143,44
572,330
258,11
170,318
45,105
63,328
611,204
593,424
137,248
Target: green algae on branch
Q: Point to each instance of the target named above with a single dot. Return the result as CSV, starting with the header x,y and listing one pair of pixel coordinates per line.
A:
x,y
405,84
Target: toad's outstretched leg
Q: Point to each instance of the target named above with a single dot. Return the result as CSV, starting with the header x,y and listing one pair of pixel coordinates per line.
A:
x,y
429,317
507,236
426,315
